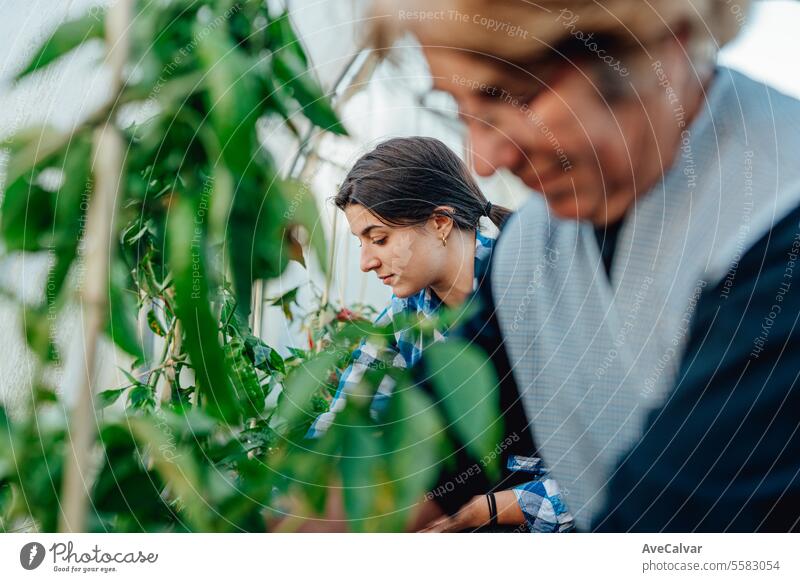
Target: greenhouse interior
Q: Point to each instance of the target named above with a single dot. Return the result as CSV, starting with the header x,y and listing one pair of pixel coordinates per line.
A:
x,y
195,338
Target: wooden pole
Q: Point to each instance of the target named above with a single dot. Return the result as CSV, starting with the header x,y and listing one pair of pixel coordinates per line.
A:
x,y
100,240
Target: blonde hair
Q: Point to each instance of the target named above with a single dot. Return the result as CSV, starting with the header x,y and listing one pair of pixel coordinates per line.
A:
x,y
522,32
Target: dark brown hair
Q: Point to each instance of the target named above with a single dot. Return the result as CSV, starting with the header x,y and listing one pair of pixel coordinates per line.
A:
x,y
403,181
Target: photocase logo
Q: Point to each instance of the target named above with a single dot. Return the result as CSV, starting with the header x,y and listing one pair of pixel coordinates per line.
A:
x,y
31,555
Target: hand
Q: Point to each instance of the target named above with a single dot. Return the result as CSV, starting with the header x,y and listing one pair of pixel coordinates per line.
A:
x,y
474,513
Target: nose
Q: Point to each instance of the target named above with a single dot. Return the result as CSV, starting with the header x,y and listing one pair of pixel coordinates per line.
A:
x,y
369,262
491,150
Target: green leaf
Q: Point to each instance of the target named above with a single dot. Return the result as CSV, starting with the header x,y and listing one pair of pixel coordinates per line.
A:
x,y
176,466
296,402
27,217
298,353
311,466
121,326
34,218
141,397
72,201
415,445
8,463
106,398
66,37
303,211
154,324
199,326
277,97
171,95
31,147
232,96
221,203
282,37
276,361
181,398
466,384
362,469
263,356
307,92
39,334
126,490
285,301
256,231
43,394
39,462
188,424
231,321
244,379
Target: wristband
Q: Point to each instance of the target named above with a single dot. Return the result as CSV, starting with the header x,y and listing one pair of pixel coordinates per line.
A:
x,y
490,499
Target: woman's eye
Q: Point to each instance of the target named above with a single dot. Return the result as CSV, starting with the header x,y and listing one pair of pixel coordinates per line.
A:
x,y
380,241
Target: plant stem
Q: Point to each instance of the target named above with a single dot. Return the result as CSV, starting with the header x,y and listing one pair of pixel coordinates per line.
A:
x,y
109,156
174,338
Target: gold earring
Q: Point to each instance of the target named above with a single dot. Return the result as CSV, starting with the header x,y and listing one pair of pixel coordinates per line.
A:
x,y
444,240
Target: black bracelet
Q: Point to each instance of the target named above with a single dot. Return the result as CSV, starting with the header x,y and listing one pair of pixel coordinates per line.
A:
x,y
492,509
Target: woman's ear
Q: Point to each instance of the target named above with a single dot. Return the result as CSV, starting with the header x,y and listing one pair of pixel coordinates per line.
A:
x,y
442,221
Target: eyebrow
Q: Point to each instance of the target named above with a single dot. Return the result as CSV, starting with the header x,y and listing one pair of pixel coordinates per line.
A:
x,y
369,229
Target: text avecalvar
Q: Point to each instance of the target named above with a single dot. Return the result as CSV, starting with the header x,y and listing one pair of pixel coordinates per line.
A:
x,y
671,549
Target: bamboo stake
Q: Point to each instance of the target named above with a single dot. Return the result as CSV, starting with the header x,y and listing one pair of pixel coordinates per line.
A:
x,y
258,306
109,158
331,261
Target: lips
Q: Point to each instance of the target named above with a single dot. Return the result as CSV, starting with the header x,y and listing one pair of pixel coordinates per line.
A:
x,y
554,187
385,278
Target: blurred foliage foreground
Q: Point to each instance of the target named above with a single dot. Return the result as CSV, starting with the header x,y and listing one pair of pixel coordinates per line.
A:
x,y
211,436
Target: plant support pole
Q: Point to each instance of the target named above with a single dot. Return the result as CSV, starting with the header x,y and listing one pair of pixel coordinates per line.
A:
x,y
99,242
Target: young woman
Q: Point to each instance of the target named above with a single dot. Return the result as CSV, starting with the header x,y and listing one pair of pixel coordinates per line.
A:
x,y
415,209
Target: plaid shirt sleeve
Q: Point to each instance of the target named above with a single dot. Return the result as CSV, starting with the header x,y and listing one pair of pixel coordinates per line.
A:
x,y
364,357
540,498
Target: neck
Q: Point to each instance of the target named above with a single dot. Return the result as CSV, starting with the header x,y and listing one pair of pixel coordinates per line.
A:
x,y
455,284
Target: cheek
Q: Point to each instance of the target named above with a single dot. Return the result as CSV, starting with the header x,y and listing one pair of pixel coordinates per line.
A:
x,y
615,134
549,135
398,255
597,157
423,262
524,128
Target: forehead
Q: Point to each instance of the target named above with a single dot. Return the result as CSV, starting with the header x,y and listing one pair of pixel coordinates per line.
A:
x,y
360,218
466,74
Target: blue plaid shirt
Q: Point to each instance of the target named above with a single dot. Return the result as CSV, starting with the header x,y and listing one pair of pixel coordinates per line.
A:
x,y
540,498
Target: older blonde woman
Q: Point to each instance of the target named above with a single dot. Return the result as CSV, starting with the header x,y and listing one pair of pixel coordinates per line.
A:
x,y
645,295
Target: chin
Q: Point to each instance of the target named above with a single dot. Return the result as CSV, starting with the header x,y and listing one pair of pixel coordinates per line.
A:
x,y
568,208
402,292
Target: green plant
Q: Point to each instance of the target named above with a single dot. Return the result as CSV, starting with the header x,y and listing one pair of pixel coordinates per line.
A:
x,y
213,427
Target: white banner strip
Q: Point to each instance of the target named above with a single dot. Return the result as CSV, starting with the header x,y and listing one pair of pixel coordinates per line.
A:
x,y
396,557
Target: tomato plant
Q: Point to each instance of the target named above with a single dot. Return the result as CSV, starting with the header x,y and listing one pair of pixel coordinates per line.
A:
x,y
211,433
